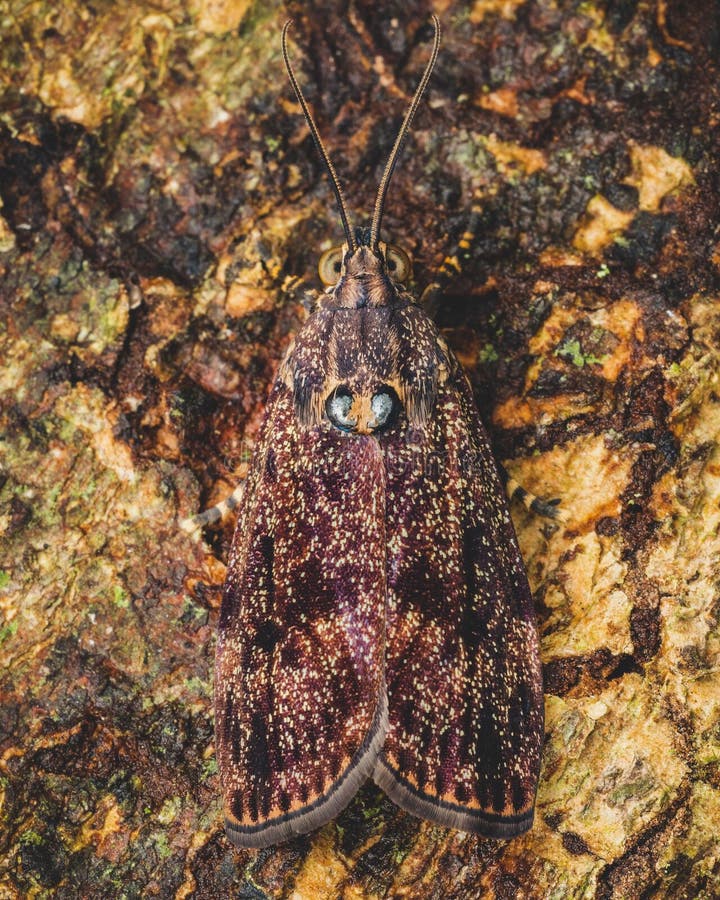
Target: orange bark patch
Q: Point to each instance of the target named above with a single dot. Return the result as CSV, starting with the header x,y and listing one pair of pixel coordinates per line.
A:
x,y
504,8
656,174
503,101
601,224
510,156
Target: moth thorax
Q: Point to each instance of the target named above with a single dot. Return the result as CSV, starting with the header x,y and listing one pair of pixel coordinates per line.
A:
x,y
362,412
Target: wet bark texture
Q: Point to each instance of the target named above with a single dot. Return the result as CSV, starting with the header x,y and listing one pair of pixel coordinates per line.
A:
x,y
162,213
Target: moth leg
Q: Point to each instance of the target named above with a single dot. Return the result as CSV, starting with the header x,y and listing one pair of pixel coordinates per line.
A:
x,y
215,513
541,506
452,265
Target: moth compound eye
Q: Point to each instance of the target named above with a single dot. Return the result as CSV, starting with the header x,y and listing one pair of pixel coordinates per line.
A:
x,y
330,266
385,405
398,263
338,406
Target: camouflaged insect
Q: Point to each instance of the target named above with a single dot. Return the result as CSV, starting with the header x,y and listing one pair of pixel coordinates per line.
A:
x,y
377,621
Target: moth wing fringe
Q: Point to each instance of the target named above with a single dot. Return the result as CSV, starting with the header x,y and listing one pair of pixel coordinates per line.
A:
x,y
330,804
447,815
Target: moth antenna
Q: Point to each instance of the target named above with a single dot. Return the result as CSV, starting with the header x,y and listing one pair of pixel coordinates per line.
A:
x,y
339,196
400,139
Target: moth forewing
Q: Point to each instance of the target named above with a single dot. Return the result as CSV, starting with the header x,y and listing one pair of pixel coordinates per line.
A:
x,y
376,620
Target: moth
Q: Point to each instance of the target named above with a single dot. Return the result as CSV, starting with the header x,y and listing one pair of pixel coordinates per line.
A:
x,y
376,620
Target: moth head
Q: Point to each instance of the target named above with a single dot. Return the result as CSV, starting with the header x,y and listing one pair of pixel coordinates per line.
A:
x,y
386,259
362,278
362,411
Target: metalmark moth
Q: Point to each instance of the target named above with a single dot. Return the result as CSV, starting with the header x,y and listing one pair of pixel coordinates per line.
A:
x,y
376,620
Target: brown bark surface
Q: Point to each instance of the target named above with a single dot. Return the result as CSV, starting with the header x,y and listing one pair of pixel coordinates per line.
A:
x,y
162,213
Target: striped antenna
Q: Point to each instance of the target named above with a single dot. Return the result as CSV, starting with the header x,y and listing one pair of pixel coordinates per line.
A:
x,y
339,196
400,139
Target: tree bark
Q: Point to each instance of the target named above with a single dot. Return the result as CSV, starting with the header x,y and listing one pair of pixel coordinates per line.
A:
x,y
163,210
